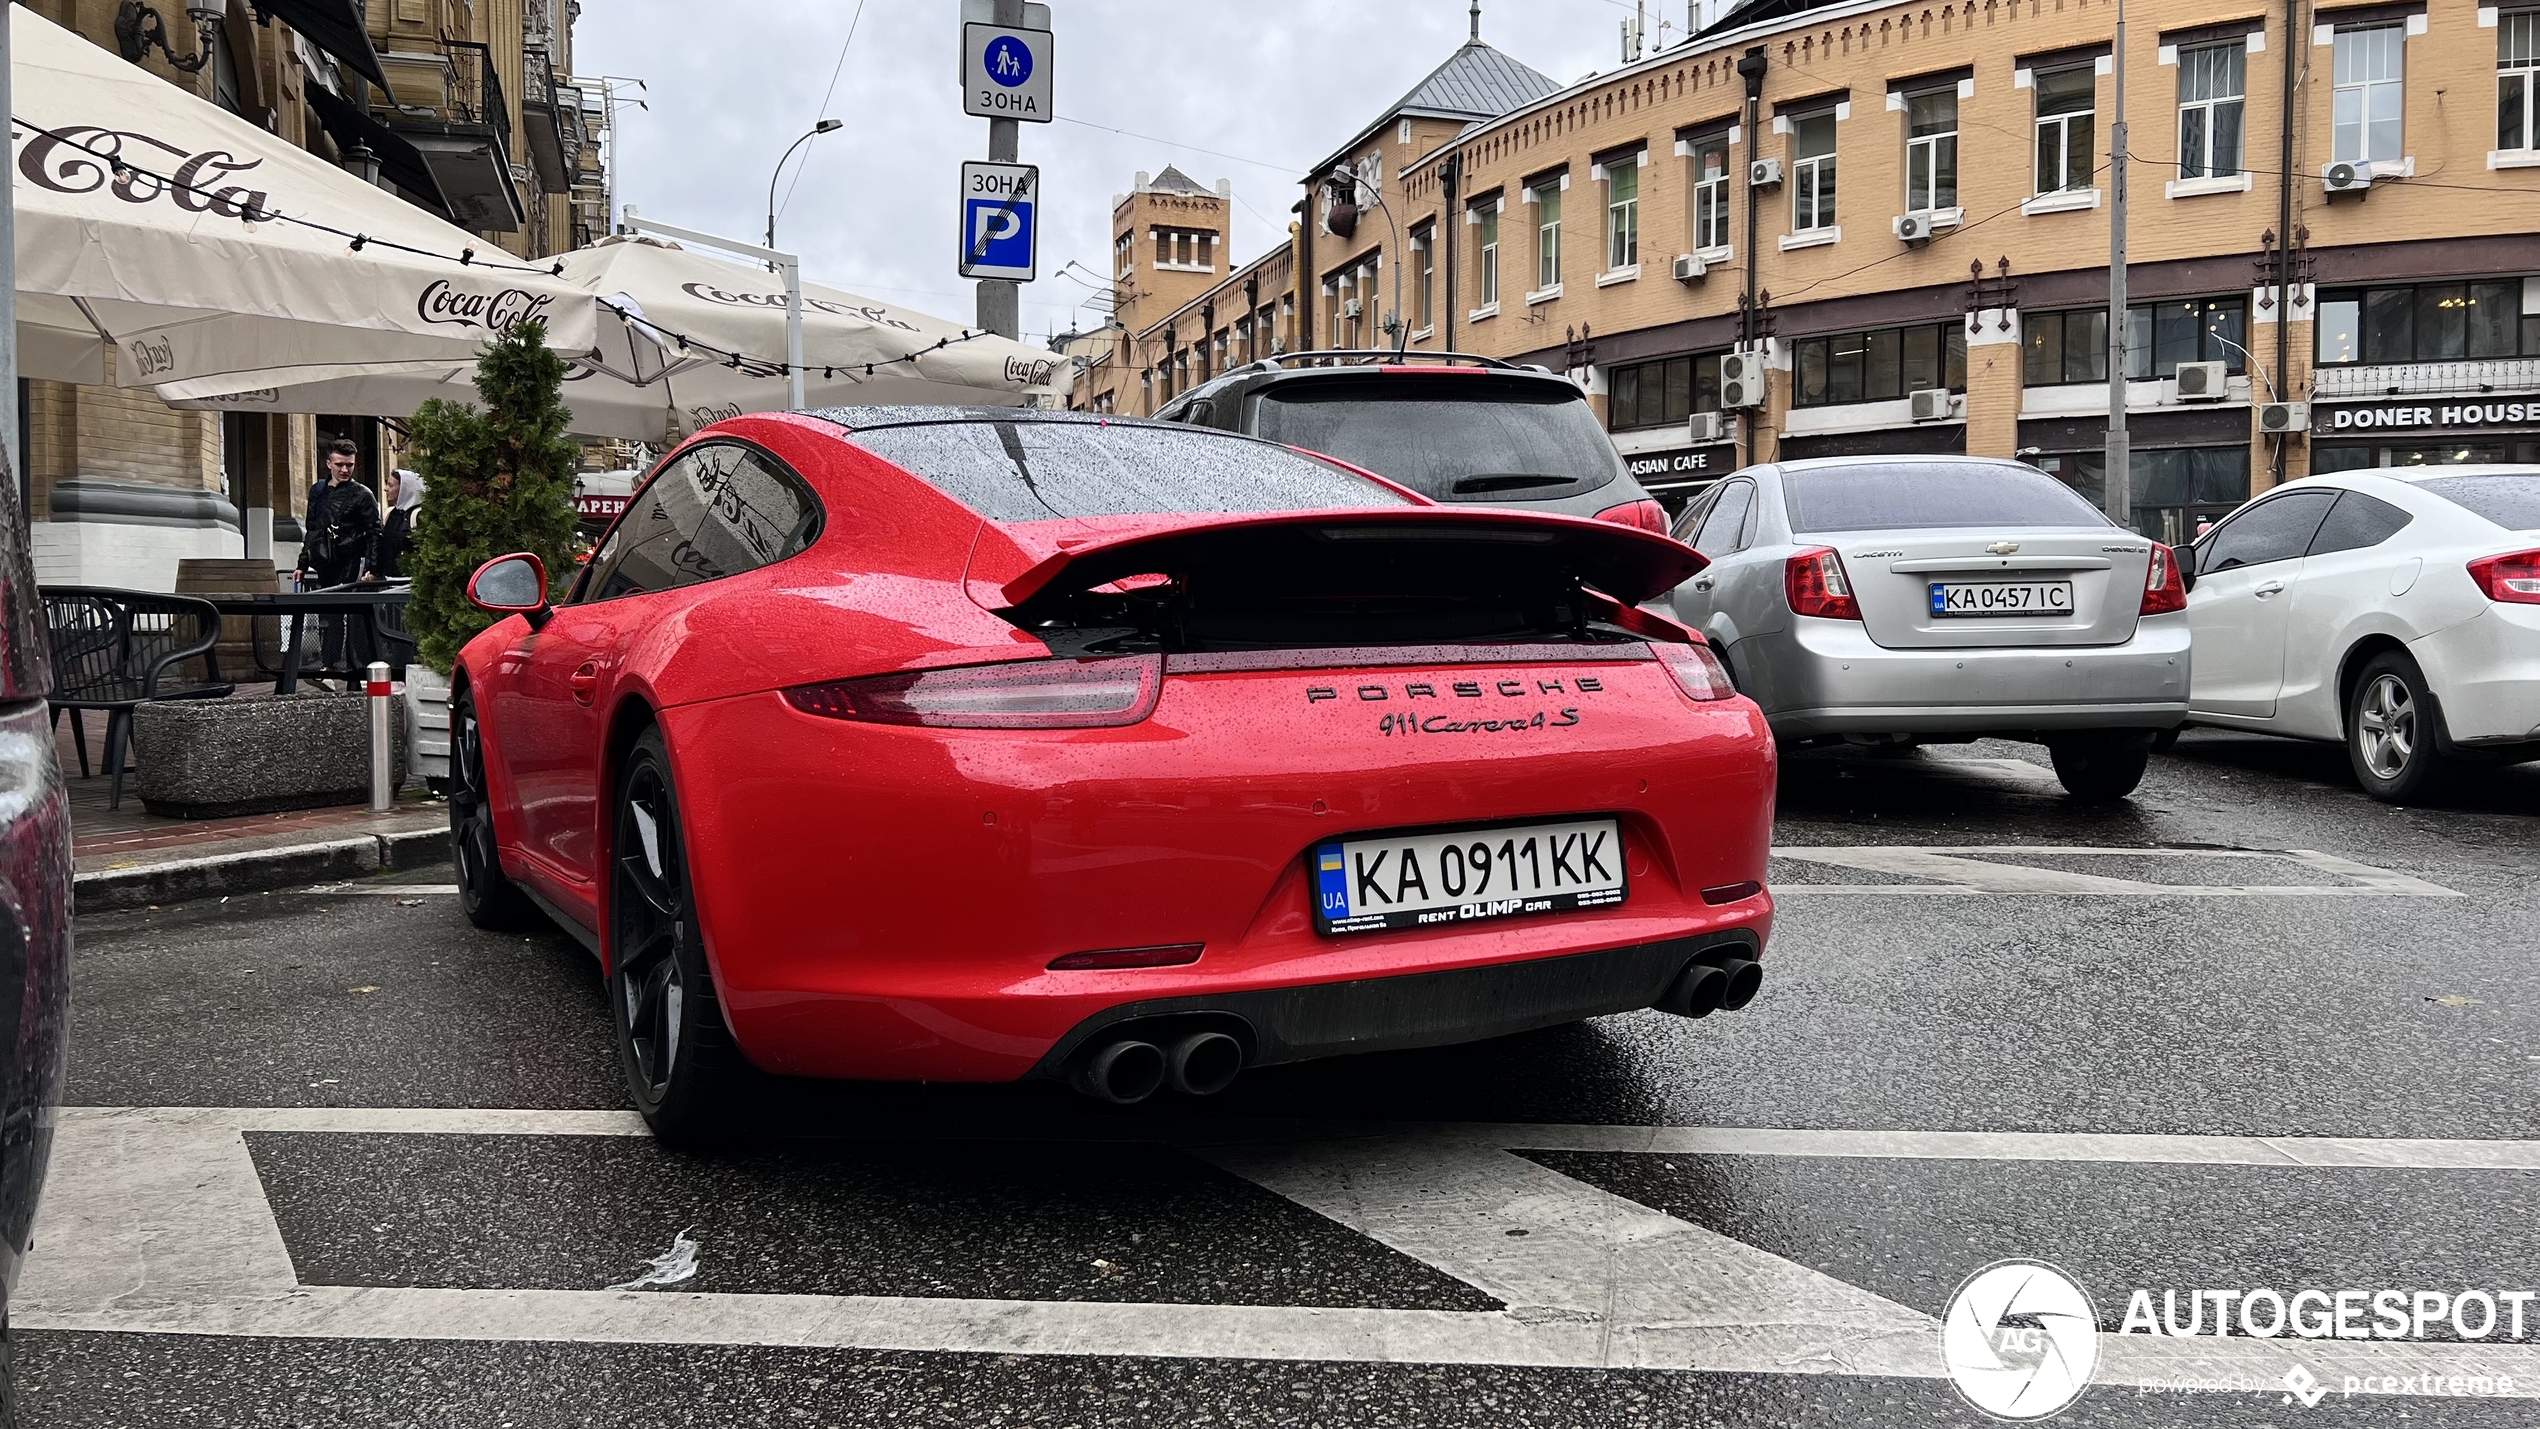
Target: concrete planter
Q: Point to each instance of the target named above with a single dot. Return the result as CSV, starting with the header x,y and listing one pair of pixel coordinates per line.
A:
x,y
428,724
258,754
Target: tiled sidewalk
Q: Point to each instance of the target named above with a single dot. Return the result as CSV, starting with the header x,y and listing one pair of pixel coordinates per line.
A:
x,y
145,858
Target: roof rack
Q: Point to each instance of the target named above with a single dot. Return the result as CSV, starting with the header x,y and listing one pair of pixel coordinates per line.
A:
x,y
1375,357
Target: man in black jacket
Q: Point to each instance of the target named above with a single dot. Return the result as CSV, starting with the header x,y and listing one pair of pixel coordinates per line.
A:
x,y
342,523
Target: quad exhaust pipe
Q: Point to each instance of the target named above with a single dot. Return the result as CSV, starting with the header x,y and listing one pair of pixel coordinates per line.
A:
x,y
1704,988
1128,1070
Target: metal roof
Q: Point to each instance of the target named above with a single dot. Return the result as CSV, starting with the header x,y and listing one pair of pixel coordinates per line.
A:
x,y
1173,180
1475,83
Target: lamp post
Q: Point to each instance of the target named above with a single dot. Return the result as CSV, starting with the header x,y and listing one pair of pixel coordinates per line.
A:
x,y
825,126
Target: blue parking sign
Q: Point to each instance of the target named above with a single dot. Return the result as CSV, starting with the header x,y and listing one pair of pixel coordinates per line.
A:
x,y
999,204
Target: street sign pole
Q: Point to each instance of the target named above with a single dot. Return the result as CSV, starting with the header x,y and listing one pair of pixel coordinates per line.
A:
x,y
1001,299
1005,79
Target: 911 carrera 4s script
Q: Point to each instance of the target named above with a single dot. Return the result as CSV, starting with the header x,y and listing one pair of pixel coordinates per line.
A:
x,y
1422,880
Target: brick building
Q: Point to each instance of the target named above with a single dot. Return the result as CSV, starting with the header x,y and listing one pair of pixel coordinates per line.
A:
x,y
476,123
1632,228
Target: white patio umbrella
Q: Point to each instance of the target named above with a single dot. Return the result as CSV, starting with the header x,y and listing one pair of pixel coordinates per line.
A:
x,y
686,339
191,243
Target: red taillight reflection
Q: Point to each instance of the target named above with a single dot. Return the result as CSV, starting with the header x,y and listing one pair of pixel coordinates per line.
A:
x,y
1027,694
2164,587
1172,956
1644,515
1731,892
1815,582
2513,579
1697,669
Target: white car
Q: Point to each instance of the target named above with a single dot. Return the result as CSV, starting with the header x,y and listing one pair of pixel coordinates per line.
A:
x,y
2397,610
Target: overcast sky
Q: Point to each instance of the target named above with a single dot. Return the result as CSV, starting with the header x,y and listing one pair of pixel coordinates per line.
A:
x,y
1269,85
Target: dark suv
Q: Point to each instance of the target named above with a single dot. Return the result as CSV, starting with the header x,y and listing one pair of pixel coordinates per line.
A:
x,y
1468,430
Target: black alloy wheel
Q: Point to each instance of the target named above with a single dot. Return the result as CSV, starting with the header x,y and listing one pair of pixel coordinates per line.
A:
x,y
2103,766
679,1058
2393,733
486,894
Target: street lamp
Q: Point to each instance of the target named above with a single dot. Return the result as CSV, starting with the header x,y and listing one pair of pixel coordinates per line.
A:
x,y
823,127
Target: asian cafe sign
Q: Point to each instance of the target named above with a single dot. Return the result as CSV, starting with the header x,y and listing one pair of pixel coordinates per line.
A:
x,y
1678,466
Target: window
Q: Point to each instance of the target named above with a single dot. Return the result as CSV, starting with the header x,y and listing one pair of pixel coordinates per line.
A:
x,y
2510,501
2066,135
2427,322
1424,254
1548,235
1661,393
717,510
2211,80
1622,213
1930,494
1486,270
2368,64
1186,248
2073,346
2357,522
1878,366
2276,529
1033,471
1812,172
1474,437
1711,192
1931,150
2517,76
1123,255
1724,528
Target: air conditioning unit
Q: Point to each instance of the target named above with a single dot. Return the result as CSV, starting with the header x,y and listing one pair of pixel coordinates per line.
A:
x,y
2345,178
1914,228
2204,381
1931,404
1689,267
1352,309
1764,173
2279,418
1741,380
1707,427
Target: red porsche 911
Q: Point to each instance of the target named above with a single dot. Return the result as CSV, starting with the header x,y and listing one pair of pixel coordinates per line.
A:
x,y
974,745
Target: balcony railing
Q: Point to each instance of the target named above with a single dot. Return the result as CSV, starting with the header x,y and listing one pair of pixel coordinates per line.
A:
x,y
2426,379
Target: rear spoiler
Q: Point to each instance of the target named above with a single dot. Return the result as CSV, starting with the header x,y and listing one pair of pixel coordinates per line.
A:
x,y
1621,562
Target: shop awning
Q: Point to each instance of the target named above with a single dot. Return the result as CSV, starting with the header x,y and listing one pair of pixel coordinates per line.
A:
x,y
161,238
333,26
400,163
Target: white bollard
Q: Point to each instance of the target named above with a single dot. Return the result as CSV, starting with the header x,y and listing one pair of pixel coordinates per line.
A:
x,y
383,792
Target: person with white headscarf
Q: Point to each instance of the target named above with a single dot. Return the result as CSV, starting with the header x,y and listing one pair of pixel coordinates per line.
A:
x,y
396,534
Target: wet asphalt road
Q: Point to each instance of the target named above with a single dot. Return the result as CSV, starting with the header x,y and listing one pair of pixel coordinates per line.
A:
x,y
1887,1008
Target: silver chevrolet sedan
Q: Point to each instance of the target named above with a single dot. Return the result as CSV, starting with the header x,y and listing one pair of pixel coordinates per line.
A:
x,y
1909,599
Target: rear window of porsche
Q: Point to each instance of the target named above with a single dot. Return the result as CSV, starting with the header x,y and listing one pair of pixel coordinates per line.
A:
x,y
1041,471
2511,500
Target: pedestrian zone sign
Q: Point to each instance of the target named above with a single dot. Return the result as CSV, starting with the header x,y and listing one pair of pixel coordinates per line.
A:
x,y
999,230
1005,74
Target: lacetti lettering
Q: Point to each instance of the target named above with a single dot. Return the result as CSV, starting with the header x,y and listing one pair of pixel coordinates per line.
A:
x,y
1468,721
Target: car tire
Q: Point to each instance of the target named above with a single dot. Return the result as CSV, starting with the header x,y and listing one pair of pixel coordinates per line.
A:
x,y
2101,768
2393,732
678,1055
486,894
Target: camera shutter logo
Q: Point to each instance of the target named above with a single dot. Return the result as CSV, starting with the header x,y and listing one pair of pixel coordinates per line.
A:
x,y
2020,1340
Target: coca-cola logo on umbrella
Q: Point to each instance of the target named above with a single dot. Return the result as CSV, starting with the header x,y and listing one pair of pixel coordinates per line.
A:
x,y
88,157
152,356
707,292
494,312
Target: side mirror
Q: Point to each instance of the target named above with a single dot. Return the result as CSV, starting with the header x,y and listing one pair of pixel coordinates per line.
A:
x,y
511,585
2186,558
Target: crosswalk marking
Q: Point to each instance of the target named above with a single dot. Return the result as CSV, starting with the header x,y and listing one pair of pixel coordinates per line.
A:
x,y
155,1222
1966,870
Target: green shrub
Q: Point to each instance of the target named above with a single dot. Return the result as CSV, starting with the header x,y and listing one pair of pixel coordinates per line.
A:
x,y
495,481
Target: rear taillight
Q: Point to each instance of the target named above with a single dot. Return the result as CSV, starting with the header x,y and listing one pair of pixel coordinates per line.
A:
x,y
1645,515
2513,579
1816,585
2164,587
1697,669
1027,694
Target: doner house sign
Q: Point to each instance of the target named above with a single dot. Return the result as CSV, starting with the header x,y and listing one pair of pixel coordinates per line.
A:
x,y
2426,412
